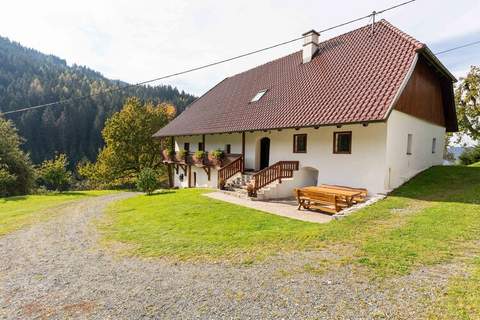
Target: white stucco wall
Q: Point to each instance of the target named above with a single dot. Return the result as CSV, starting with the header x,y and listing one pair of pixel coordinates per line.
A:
x,y
364,167
401,166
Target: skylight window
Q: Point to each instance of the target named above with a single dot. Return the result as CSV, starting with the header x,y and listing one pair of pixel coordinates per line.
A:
x,y
259,95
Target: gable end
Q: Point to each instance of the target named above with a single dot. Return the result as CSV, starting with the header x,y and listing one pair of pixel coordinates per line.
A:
x,y
428,95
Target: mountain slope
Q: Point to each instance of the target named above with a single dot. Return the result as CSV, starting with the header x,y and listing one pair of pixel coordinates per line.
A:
x,y
28,77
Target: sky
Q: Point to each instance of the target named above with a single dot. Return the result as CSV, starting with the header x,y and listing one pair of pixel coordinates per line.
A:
x,y
139,40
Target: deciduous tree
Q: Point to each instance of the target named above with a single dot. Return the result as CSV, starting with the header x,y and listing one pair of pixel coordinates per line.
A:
x,y
467,98
16,171
129,146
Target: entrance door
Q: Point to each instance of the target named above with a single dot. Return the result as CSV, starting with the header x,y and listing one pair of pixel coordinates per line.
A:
x,y
264,153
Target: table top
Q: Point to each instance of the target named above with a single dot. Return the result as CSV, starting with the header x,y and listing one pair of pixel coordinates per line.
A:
x,y
346,193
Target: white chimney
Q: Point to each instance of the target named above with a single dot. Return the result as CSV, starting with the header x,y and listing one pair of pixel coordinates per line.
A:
x,y
310,45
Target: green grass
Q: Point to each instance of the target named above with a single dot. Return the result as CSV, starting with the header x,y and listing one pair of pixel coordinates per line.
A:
x,y
17,212
462,299
476,164
428,220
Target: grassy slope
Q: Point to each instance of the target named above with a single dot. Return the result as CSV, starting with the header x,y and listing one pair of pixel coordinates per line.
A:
x,y
424,222
17,212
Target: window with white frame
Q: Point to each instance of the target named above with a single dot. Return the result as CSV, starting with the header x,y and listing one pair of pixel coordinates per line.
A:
x,y
409,143
259,95
434,145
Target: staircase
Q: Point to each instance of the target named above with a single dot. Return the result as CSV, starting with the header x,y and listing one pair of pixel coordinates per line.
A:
x,y
237,186
261,181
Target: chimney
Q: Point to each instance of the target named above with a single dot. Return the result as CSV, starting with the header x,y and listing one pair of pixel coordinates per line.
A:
x,y
310,45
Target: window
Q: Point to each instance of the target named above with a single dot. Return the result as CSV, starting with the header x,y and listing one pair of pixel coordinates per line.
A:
x,y
201,146
342,142
186,146
434,145
300,143
228,148
409,143
259,95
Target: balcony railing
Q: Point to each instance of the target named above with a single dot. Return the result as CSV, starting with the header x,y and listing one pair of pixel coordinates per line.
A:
x,y
206,161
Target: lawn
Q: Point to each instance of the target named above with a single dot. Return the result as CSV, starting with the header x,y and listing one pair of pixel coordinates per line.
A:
x,y
17,212
428,220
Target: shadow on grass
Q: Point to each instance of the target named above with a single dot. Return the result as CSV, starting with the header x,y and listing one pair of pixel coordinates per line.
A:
x,y
160,193
444,184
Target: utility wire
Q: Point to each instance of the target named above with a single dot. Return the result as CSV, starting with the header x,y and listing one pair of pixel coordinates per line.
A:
x,y
203,66
459,47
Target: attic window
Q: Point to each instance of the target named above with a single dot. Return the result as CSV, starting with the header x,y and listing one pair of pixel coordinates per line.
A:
x,y
259,95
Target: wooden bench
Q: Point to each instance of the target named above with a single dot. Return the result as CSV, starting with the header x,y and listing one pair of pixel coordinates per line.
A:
x,y
358,198
327,202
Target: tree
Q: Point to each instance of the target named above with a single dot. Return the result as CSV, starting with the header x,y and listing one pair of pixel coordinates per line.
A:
x,y
147,180
16,170
53,174
467,99
28,77
470,155
129,146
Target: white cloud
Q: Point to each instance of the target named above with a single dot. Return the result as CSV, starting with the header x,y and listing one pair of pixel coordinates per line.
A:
x,y
135,41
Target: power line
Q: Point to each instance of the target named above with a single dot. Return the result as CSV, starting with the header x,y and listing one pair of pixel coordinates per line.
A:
x,y
459,47
203,66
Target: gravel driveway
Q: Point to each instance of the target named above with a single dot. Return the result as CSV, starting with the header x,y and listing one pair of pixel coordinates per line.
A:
x,y
57,270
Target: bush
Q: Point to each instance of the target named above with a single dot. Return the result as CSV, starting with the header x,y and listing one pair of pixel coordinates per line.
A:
x,y
470,155
16,170
6,180
147,180
53,174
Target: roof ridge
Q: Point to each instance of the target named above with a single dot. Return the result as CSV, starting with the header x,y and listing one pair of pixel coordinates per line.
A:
x,y
407,37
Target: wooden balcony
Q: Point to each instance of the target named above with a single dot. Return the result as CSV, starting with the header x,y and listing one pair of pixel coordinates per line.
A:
x,y
207,161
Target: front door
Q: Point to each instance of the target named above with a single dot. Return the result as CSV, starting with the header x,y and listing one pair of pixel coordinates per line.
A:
x,y
264,153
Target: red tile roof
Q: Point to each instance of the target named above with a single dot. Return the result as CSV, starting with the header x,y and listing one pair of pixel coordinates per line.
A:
x,y
353,78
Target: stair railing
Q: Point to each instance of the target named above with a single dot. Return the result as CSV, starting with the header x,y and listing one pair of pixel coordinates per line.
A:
x,y
229,170
278,171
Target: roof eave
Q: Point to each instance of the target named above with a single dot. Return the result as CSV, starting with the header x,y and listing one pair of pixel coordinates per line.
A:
x,y
432,58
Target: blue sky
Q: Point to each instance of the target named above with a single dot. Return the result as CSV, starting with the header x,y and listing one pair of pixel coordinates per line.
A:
x,y
135,41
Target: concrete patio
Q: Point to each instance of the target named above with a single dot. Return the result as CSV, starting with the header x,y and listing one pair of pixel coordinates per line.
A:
x,y
284,208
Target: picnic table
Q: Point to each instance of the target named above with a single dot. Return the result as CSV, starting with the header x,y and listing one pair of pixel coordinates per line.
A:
x,y
329,198
347,195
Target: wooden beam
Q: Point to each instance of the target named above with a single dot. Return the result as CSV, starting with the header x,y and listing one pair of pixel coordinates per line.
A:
x,y
207,171
243,151
170,175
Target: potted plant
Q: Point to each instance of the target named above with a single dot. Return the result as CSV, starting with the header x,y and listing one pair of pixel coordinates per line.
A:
x,y
181,155
199,156
250,190
168,154
215,157
221,184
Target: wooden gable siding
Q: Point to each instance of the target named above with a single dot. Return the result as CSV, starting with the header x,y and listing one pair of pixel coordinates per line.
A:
x,y
423,97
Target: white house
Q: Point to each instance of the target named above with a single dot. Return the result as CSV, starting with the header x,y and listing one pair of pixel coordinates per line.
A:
x,y
368,108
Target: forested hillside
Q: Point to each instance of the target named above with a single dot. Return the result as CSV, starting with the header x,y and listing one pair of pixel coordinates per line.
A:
x,y
28,77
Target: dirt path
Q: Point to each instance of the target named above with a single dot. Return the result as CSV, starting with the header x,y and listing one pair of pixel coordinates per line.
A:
x,y
57,270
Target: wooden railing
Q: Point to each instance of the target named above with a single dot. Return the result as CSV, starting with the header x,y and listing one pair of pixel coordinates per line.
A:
x,y
230,170
277,171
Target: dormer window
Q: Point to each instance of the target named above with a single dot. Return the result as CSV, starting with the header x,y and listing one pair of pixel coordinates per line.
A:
x,y
259,95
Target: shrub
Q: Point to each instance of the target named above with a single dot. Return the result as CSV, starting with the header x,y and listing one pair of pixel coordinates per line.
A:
x,y
217,154
147,180
16,170
53,174
6,180
470,155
